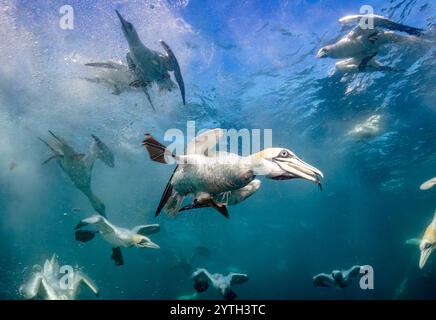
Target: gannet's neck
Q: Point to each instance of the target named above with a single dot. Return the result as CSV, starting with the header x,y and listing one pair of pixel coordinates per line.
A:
x,y
257,162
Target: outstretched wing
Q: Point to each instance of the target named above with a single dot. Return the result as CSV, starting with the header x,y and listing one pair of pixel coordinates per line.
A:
x,y
31,288
203,142
382,22
61,146
237,278
202,279
202,275
101,151
146,230
98,222
324,280
81,280
173,65
107,65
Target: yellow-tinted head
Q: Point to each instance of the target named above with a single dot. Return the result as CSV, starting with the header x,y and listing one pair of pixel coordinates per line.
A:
x,y
428,243
283,164
143,242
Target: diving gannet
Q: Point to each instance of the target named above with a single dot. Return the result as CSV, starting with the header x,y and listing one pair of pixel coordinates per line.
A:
x,y
78,166
116,236
336,278
199,171
150,66
202,280
48,284
360,46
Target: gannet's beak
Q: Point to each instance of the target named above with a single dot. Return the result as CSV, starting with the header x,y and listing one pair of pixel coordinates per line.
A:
x,y
322,53
147,243
294,167
426,250
123,21
126,25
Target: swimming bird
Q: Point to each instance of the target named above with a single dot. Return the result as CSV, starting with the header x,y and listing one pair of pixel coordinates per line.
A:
x,y
427,244
368,129
116,236
360,46
336,278
48,283
202,280
114,75
222,200
78,166
428,184
151,66
200,171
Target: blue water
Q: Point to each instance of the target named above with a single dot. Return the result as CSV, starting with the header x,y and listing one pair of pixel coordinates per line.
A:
x,y
246,64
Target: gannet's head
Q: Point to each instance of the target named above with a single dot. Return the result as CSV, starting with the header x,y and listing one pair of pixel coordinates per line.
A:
x,y
128,30
323,52
283,164
428,243
143,242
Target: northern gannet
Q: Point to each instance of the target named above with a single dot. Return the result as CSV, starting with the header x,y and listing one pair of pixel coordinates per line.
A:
x,y
47,283
200,171
150,66
360,46
116,236
336,278
202,280
78,166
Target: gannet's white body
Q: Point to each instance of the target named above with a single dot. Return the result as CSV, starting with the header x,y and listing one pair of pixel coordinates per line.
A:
x,y
201,171
202,280
79,166
48,284
150,66
116,236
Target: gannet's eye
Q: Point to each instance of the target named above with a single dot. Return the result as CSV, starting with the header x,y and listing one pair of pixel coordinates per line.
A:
x,y
427,245
284,154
